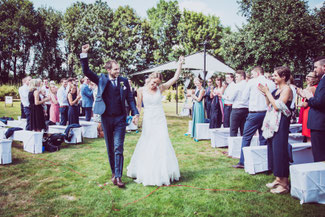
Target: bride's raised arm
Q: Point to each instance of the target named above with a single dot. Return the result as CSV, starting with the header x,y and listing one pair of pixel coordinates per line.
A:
x,y
173,80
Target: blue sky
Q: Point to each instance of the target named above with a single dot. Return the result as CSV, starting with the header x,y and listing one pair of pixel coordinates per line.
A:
x,y
227,10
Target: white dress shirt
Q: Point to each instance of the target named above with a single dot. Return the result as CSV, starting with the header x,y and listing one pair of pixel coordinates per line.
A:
x,y
236,93
63,96
47,94
227,93
256,100
23,94
294,97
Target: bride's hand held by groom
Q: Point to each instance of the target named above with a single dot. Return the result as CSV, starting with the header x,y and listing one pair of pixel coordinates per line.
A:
x,y
135,119
85,48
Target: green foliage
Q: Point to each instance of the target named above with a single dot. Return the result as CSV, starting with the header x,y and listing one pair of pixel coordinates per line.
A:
x,y
277,33
8,90
180,93
169,95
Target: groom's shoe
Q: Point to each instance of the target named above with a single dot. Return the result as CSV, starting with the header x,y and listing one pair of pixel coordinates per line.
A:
x,y
119,183
114,179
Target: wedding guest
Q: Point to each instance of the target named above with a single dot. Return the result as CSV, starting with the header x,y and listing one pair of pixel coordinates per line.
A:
x,y
46,90
55,107
312,81
257,109
216,112
36,106
294,99
73,99
63,101
87,98
227,102
198,109
276,129
23,93
208,98
316,115
239,110
134,94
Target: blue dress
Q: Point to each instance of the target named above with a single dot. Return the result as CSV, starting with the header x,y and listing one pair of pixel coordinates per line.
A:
x,y
73,112
277,146
198,115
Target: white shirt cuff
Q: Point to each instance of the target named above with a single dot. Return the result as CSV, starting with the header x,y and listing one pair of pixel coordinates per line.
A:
x,y
83,55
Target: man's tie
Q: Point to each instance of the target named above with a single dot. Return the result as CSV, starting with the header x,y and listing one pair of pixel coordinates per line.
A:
x,y
113,81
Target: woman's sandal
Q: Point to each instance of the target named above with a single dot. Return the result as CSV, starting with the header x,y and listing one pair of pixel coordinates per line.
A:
x,y
272,184
280,190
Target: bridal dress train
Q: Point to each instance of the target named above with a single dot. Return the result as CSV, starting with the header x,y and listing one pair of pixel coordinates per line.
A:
x,y
154,161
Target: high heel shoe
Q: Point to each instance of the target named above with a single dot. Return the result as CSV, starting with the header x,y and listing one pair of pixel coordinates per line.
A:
x,y
272,184
280,190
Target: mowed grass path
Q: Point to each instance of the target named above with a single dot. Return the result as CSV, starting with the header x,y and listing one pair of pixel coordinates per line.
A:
x,y
65,183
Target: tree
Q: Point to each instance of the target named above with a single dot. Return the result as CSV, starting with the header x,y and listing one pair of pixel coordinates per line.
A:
x,y
277,33
18,33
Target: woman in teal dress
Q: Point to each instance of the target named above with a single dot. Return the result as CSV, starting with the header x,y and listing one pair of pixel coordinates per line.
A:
x,y
198,109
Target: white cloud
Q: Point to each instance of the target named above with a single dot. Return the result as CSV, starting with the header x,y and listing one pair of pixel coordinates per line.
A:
x,y
318,6
197,6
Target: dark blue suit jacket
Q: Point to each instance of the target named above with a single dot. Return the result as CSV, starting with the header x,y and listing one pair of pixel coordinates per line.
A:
x,y
316,115
102,81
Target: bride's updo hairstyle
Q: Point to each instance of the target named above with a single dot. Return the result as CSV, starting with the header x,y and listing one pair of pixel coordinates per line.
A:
x,y
155,75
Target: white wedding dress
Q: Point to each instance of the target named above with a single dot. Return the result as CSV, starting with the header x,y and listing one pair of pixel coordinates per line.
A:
x,y
154,161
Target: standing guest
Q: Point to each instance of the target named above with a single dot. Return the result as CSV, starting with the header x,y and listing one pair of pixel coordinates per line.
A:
x,y
316,115
22,113
36,106
240,106
312,81
55,107
216,112
294,99
46,90
87,98
227,101
63,101
268,76
73,99
198,109
257,109
276,129
208,98
134,94
23,93
113,90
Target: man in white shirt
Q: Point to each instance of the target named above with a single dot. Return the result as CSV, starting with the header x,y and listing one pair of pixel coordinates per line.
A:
x,y
227,102
23,94
46,90
62,95
257,109
239,110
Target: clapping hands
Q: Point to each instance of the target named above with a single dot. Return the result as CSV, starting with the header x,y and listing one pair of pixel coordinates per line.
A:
x,y
263,89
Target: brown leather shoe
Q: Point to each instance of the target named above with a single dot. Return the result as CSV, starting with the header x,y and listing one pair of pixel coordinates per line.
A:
x,y
114,179
238,166
119,183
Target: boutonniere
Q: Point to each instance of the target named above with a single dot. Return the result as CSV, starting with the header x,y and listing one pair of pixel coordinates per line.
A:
x,y
122,85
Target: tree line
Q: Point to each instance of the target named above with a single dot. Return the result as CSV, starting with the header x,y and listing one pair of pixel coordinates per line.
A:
x,y
44,42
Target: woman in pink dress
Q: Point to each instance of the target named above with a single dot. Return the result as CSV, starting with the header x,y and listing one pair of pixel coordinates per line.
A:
x,y
54,109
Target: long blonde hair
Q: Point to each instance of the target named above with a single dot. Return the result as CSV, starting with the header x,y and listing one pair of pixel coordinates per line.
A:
x,y
33,84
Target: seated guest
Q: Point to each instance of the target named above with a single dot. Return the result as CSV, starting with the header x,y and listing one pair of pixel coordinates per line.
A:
x,y
198,110
87,98
37,116
276,129
216,110
312,81
227,102
73,99
239,110
208,98
55,107
257,110
316,115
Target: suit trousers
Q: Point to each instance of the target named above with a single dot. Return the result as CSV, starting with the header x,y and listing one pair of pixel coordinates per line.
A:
x,y
64,115
27,113
88,111
114,134
318,144
237,120
253,123
226,115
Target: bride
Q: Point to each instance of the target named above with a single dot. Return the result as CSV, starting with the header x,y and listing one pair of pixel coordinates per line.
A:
x,y
154,161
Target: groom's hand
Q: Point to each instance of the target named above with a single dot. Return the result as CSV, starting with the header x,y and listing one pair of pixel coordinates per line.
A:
x,y
135,119
85,48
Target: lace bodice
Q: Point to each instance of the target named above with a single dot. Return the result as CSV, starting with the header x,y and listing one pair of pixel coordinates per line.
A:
x,y
151,100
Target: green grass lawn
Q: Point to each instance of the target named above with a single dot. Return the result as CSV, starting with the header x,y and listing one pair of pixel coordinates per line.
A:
x,y
66,183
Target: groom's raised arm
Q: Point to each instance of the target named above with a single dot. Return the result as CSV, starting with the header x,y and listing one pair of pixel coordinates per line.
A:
x,y
85,67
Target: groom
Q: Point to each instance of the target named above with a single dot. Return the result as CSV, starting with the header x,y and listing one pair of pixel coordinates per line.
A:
x,y
113,90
